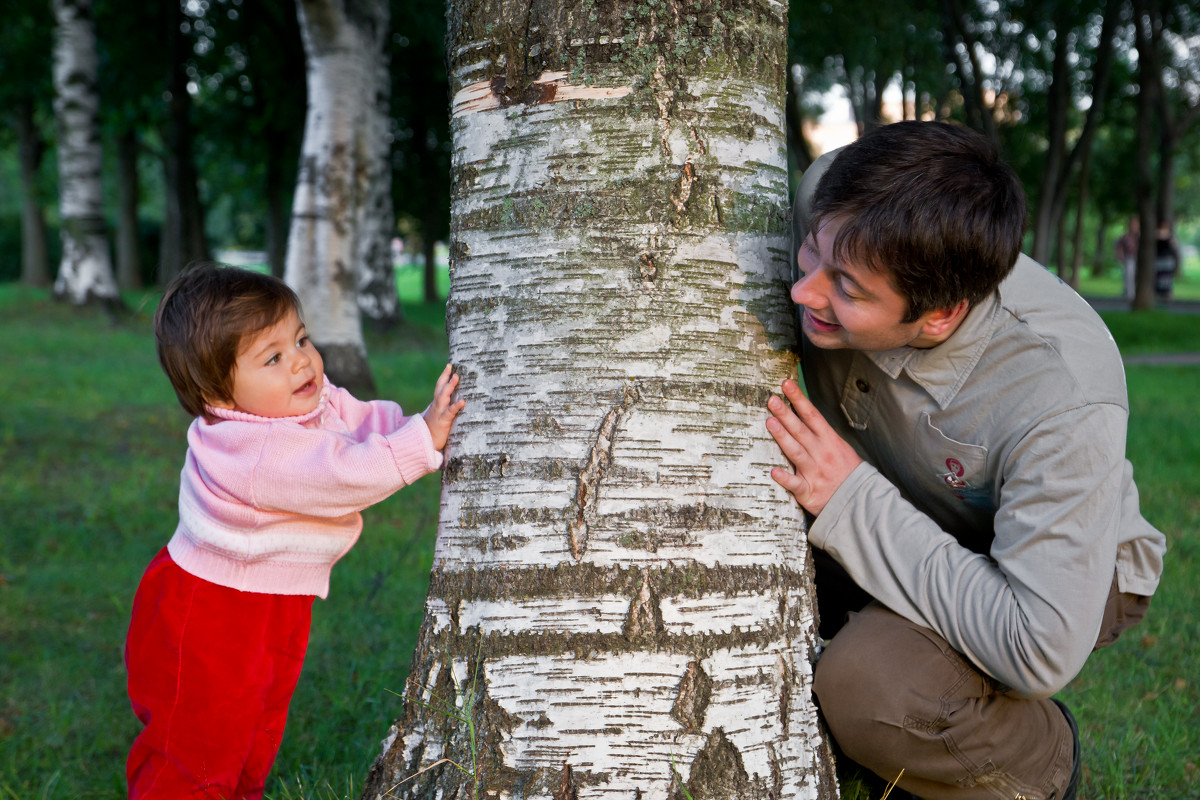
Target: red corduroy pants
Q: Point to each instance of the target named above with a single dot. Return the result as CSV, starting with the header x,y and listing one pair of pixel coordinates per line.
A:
x,y
211,673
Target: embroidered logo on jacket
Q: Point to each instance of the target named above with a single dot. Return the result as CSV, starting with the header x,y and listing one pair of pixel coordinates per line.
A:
x,y
956,481
953,476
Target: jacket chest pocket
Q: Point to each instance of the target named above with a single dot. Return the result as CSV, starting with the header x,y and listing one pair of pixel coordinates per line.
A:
x,y
952,470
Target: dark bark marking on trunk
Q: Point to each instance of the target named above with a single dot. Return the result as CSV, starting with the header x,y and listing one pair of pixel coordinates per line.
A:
x,y
647,270
475,467
785,696
572,580
683,190
598,461
645,620
695,693
536,93
566,785
718,772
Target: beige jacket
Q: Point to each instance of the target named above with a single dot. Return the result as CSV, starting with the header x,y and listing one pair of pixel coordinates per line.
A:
x,y
996,501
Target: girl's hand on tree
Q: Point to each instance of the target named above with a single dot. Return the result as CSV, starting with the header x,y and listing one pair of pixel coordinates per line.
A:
x,y
443,409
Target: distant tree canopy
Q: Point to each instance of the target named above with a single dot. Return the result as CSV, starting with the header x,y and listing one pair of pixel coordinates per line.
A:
x,y
1054,84
202,114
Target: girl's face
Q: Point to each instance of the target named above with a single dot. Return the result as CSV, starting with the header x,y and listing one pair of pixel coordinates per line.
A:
x,y
278,372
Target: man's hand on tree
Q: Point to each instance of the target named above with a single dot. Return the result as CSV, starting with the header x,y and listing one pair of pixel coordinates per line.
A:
x,y
821,458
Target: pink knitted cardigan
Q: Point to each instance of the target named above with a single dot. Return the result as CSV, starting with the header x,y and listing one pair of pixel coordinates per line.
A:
x,y
270,504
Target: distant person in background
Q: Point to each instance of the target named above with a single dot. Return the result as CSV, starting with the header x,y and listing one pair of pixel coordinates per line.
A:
x,y
1126,249
1166,261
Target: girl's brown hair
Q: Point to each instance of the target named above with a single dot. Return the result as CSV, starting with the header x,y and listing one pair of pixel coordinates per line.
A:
x,y
201,322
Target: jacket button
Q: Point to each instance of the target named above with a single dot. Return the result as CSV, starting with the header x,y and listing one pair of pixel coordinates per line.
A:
x,y
862,385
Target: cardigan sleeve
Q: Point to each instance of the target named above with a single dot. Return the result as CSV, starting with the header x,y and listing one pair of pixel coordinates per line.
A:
x,y
285,467
367,417
315,472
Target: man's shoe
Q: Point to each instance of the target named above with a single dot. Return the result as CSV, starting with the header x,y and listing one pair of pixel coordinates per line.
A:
x,y
1077,765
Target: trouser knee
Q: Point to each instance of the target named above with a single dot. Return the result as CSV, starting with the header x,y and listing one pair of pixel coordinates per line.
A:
x,y
896,696
867,704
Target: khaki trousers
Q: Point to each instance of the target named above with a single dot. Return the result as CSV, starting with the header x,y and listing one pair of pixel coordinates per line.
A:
x,y
896,696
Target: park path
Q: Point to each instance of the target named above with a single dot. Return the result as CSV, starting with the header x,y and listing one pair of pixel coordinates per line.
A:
x,y
1155,359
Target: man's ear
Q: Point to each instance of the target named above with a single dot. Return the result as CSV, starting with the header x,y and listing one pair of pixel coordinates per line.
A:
x,y
939,324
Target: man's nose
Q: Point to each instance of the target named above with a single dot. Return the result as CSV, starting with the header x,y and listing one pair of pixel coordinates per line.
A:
x,y
808,290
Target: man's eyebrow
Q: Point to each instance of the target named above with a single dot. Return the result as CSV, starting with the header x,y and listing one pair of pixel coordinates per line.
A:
x,y
835,267
837,270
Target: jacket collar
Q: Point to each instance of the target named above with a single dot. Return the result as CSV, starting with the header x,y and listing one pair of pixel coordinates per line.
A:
x,y
943,369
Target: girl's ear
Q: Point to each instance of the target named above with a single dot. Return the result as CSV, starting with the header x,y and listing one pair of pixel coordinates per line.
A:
x,y
215,403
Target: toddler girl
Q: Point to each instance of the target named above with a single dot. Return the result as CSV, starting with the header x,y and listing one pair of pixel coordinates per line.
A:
x,y
279,465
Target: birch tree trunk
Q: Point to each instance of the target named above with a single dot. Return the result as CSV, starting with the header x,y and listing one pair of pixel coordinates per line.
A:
x,y
85,273
620,604
343,45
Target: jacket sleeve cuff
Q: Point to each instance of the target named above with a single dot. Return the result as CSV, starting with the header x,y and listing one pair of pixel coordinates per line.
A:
x,y
824,527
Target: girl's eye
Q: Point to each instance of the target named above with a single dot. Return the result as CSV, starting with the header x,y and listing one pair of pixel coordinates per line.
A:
x,y
273,359
303,342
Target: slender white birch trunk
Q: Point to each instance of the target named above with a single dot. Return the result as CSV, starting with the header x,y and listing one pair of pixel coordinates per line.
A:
x,y
343,44
620,600
85,273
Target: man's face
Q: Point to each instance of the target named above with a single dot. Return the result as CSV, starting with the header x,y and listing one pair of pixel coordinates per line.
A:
x,y
848,305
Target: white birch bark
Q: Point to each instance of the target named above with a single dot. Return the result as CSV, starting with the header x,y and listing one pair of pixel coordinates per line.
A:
x,y
620,599
343,42
85,273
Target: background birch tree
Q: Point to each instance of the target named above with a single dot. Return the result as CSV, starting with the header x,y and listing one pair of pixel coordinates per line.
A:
x,y
339,178
620,603
85,273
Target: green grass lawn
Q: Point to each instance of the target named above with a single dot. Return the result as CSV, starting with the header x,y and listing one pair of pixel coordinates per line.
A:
x,y
91,442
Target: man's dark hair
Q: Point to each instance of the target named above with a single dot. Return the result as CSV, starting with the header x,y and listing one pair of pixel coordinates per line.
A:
x,y
929,203
203,318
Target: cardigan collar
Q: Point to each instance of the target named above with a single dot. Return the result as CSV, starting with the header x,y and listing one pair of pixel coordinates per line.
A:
x,y
299,419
